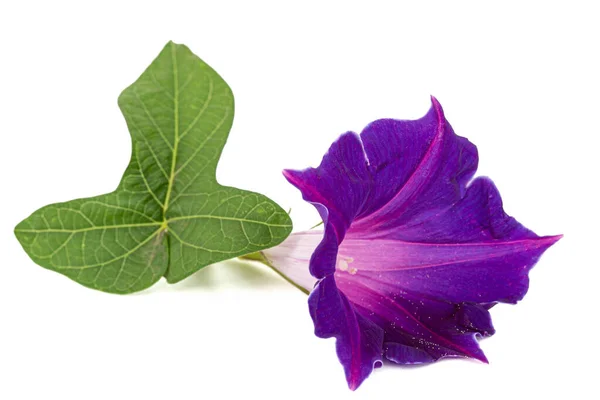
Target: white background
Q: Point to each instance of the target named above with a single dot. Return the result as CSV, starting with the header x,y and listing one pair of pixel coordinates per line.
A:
x,y
519,79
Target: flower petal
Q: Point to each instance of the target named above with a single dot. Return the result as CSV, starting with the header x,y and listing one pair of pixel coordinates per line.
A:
x,y
358,340
337,188
477,217
420,168
468,272
403,354
428,325
476,318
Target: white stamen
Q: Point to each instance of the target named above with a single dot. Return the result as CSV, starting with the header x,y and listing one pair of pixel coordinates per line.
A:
x,y
343,264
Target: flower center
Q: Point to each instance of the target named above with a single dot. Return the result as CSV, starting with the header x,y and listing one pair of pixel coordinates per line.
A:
x,y
343,264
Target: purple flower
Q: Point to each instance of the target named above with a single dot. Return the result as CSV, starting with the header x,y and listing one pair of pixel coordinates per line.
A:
x,y
414,252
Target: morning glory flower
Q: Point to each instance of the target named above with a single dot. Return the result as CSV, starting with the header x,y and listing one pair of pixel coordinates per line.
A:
x,y
414,252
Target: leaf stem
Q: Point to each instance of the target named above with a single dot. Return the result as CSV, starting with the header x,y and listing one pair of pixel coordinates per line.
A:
x,y
259,256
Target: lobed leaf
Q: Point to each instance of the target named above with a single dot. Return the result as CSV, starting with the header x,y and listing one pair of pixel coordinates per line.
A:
x,y
169,216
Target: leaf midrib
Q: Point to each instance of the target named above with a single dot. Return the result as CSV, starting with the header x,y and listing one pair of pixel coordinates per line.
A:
x,y
176,132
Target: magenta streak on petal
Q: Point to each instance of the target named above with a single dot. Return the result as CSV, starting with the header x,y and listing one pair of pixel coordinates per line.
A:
x,y
395,255
418,179
460,316
356,362
358,292
310,193
358,340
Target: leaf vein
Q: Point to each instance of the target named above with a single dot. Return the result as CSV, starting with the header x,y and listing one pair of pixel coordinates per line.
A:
x,y
152,120
101,264
201,146
174,219
202,110
146,182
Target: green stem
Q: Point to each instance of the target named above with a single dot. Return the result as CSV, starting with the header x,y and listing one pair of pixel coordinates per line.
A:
x,y
317,225
259,256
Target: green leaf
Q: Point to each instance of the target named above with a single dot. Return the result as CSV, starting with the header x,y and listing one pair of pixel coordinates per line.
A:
x,y
169,216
